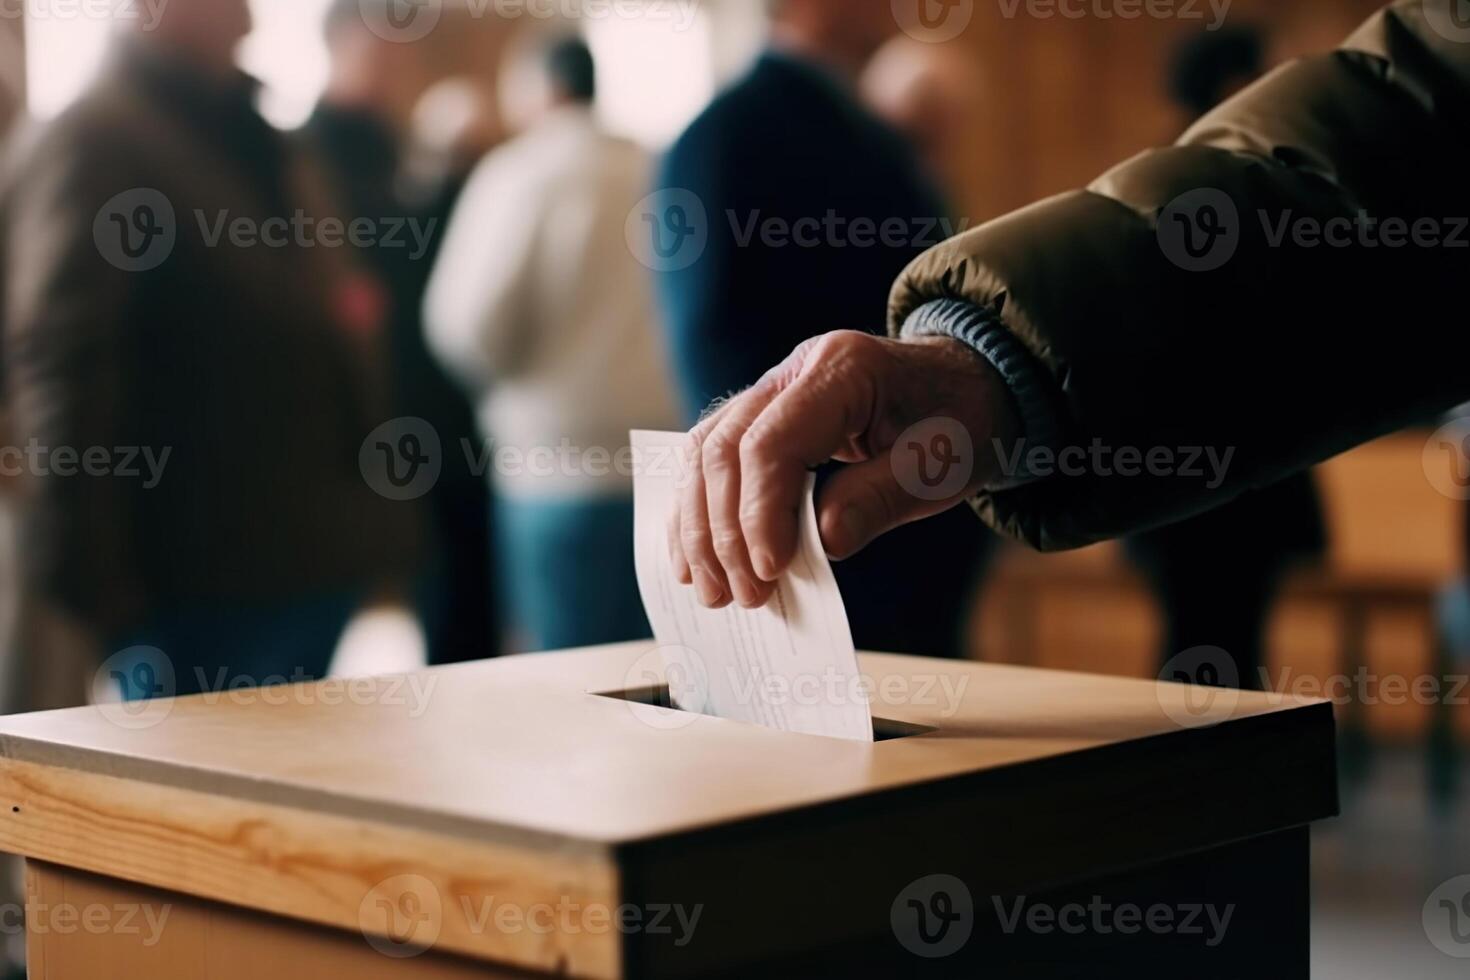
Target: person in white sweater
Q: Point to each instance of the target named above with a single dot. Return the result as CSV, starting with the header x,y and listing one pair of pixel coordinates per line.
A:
x,y
538,305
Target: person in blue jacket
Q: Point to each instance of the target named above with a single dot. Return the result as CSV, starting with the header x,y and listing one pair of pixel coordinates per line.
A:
x,y
785,209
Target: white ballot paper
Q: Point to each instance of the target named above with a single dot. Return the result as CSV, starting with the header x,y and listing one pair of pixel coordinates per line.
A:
x,y
790,665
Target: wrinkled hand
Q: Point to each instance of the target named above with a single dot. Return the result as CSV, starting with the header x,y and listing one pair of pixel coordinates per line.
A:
x,y
917,419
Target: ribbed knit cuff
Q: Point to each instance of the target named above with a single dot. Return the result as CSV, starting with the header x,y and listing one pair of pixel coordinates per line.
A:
x,y
1030,384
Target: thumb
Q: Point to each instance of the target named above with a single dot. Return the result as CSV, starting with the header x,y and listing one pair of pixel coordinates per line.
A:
x,y
861,503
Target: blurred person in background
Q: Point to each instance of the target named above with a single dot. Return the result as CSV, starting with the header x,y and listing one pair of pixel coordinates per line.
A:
x,y
12,105
197,379
539,306
930,93
454,125
1074,328
787,146
1209,67
363,130
13,697
1216,575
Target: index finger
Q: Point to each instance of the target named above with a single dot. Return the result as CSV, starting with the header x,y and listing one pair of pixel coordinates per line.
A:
x,y
818,415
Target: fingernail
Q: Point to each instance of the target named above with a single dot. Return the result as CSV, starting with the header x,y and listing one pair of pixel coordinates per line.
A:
x,y
764,564
745,593
710,592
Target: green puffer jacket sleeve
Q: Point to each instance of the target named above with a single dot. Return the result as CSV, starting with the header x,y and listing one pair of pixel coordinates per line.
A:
x,y
1289,280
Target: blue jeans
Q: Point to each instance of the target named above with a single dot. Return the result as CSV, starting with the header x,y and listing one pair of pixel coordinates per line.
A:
x,y
212,646
1454,619
567,570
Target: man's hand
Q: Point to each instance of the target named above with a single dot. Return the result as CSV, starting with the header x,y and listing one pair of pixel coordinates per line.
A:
x,y
917,419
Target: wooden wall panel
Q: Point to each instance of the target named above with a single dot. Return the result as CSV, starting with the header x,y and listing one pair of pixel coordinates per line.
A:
x,y
1395,541
1063,100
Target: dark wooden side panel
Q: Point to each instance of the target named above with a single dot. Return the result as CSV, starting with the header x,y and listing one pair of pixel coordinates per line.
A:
x,y
1230,913
773,888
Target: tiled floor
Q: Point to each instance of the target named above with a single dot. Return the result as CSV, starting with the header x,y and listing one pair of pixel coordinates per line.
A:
x,y
1375,868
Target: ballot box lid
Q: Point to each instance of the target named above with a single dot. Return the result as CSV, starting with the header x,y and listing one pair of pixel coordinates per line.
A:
x,y
529,768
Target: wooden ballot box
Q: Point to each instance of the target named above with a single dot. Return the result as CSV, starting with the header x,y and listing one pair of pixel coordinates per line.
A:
x,y
534,816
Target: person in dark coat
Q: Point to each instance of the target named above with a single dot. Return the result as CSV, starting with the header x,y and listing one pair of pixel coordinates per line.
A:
x,y
353,130
1204,320
196,372
1215,575
811,207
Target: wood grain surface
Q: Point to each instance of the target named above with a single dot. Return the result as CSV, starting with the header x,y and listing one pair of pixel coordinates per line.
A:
x,y
517,783
522,750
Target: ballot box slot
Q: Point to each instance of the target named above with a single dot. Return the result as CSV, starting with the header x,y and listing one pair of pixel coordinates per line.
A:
x,y
884,729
